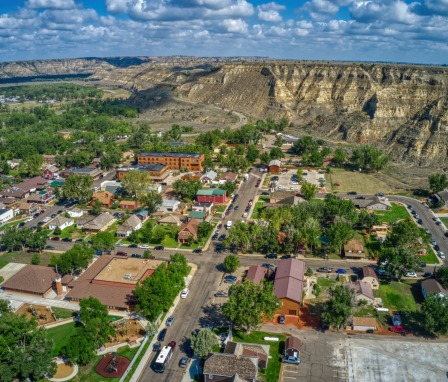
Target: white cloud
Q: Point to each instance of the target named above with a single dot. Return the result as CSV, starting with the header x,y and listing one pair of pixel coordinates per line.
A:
x,y
50,4
235,26
321,9
117,6
271,16
383,11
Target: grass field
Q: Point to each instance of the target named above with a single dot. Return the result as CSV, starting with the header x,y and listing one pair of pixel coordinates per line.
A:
x,y
272,372
61,336
396,213
62,313
24,258
356,181
403,296
324,282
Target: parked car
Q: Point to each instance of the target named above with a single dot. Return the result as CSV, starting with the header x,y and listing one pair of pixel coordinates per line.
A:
x,y
237,208
133,246
79,240
215,236
245,215
21,224
437,248
268,265
281,319
184,362
67,240
265,193
221,293
159,247
169,321
352,193
119,244
121,253
157,345
271,256
324,269
35,216
398,329
411,274
197,250
136,256
172,344
341,271
144,246
420,221
230,279
286,256
184,293
55,238
222,237
40,223
162,335
50,247
47,219
441,255
423,264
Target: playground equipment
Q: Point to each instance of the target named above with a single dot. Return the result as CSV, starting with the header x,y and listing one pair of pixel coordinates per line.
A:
x,y
112,365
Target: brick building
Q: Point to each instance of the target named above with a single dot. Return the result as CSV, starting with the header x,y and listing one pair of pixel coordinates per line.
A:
x,y
173,161
211,195
157,171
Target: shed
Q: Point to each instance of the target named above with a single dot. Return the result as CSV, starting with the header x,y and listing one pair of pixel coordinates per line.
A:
x,y
364,323
292,347
275,166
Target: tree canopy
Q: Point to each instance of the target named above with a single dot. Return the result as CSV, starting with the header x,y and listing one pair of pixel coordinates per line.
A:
x,y
369,158
186,189
203,342
437,182
435,314
78,187
136,183
231,263
339,308
74,260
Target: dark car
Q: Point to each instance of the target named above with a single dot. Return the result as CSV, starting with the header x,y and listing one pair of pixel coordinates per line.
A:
x,y
55,238
136,256
79,240
35,215
49,247
99,252
222,237
420,221
268,265
218,247
446,234
423,264
162,335
436,247
237,208
247,209
286,256
250,170
380,194
352,193
156,346
215,236
172,344
21,224
159,247
265,193
40,223
281,319
228,212
184,362
53,216
120,253
197,250
67,239
60,211
271,256
235,197
133,246
42,211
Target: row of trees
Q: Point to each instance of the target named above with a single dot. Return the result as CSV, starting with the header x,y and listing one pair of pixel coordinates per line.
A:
x,y
17,239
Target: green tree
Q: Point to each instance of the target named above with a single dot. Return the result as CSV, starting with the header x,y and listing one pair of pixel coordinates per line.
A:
x,y
276,153
339,157
336,208
5,168
312,232
15,238
178,264
399,260
339,308
249,303
186,189
204,229
368,219
95,318
147,254
103,241
252,153
231,263
265,158
80,349
305,145
435,314
442,276
308,191
31,166
203,342
136,183
369,158
77,187
37,241
151,329
279,141
35,259
151,200
437,182
97,207
229,187
309,272
406,234
57,231
339,234
75,259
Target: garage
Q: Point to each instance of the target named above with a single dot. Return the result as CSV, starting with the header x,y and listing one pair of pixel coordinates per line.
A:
x,y
363,324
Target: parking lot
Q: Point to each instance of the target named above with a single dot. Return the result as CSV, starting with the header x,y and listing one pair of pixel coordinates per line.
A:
x,y
314,177
286,181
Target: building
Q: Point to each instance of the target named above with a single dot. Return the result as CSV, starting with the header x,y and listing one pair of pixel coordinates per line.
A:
x,y
292,347
198,215
51,172
288,285
94,173
157,171
282,197
256,274
75,212
375,203
95,224
5,215
211,195
260,352
171,220
112,280
169,205
224,367
275,166
32,279
227,176
60,222
354,250
203,207
380,231
188,231
173,161
363,291
369,276
129,204
27,208
42,197
431,286
363,324
104,197
209,177
142,215
49,158
133,223
288,139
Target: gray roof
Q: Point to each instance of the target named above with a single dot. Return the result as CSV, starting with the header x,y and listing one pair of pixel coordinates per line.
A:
x,y
99,222
432,286
59,221
362,288
169,202
171,154
229,365
130,224
144,167
275,162
210,174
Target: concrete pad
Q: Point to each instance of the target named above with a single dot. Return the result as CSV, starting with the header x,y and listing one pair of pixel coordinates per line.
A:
x,y
397,361
10,270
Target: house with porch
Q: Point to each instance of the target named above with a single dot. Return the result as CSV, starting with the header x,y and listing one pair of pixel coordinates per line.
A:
x,y
133,223
61,222
188,231
203,207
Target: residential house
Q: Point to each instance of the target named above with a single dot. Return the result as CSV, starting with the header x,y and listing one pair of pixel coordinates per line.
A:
x,y
292,347
203,207
42,197
49,158
209,177
288,285
380,231
75,212
275,166
288,139
142,215
157,171
211,195
111,186
354,250
257,351
188,230
442,196
375,203
6,215
368,275
61,222
51,172
27,208
363,291
171,220
431,286
104,197
198,215
98,223
133,223
14,163
256,274
363,324
24,189
223,367
8,202
227,176
94,173
173,160
169,205
129,204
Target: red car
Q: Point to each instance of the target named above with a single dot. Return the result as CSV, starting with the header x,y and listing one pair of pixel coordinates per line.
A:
x,y
122,254
172,344
398,329
55,238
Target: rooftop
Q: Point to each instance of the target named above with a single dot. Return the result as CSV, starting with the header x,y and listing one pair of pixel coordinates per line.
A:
x,y
144,167
32,279
362,288
290,268
171,154
432,286
368,272
197,214
229,365
256,274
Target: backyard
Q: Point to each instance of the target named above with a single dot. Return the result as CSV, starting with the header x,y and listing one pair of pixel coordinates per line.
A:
x,y
24,258
395,214
259,205
403,296
61,336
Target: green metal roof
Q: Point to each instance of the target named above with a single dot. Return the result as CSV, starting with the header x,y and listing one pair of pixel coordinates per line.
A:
x,y
206,192
197,214
218,191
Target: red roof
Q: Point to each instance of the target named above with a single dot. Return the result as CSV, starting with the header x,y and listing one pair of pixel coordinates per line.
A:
x,y
256,274
289,279
290,268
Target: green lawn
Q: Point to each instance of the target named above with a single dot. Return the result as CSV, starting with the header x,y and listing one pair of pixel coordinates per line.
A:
x,y
62,313
220,208
137,361
404,296
272,372
61,335
324,282
12,224
430,258
444,220
257,210
396,213
169,242
24,258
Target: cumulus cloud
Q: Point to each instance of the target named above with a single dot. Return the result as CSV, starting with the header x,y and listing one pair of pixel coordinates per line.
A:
x,y
235,26
321,9
383,10
50,4
270,12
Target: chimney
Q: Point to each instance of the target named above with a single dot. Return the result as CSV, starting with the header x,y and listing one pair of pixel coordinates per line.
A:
x,y
58,282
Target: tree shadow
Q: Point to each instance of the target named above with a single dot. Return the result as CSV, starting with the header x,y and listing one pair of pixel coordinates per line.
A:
x,y
213,317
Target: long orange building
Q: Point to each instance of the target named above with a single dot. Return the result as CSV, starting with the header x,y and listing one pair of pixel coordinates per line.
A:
x,y
173,161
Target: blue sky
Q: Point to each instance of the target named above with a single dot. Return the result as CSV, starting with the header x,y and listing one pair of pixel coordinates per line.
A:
x,y
359,30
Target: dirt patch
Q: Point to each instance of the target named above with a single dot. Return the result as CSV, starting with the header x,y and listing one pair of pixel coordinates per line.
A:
x,y
42,314
126,331
63,370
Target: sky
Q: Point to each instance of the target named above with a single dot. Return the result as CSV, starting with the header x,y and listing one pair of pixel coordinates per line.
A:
x,y
347,30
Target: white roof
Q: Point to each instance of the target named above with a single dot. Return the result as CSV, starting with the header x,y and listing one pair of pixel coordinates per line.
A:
x,y
275,162
169,202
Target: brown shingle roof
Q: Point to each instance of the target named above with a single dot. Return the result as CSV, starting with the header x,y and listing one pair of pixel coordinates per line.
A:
x,y
99,222
293,343
191,226
364,321
229,365
290,268
362,288
354,245
368,272
32,279
289,279
432,286
256,274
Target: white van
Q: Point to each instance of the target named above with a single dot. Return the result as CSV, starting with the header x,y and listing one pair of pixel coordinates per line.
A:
x,y
229,224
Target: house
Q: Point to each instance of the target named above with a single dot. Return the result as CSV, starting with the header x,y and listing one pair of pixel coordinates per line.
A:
x,y
363,291
42,197
230,367
171,220
363,324
173,160
188,230
98,223
169,205
198,215
129,204
5,215
431,286
380,231
75,212
368,275
354,250
209,177
49,158
156,171
256,274
203,207
227,176
442,197
288,139
292,347
60,222
104,197
211,195
275,166
51,172
13,163
27,208
8,202
133,223
260,352
142,215
94,173
288,285
376,203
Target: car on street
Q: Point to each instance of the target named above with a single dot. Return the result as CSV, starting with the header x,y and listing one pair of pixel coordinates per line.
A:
x,y
184,293
325,269
250,202
227,212
55,238
144,246
136,256
414,212
441,255
221,293
271,256
172,344
159,247
184,362
99,252
433,242
169,321
247,209
47,219
409,207
265,193
436,247
21,224
434,218
197,250
245,215
439,223
352,193
156,346
398,329
268,265
53,216
218,231
133,246
119,244
420,221
281,319
411,274
35,216
341,271
121,253
423,264
215,236
237,208
222,237
230,279
162,335
40,223
286,257
60,212
50,247
79,240
67,240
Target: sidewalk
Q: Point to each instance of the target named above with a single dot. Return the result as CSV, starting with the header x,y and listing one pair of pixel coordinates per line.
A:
x,y
141,366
